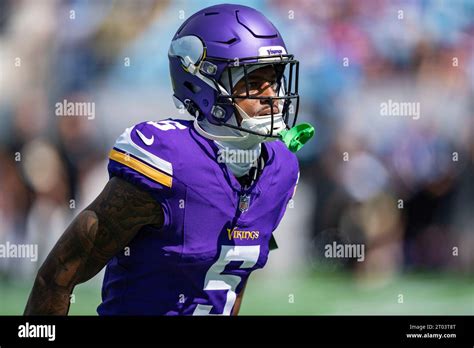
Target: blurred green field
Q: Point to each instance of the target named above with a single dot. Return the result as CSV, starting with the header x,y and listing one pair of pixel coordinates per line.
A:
x,y
315,294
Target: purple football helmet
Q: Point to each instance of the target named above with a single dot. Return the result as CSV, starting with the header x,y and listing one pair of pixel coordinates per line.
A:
x,y
226,42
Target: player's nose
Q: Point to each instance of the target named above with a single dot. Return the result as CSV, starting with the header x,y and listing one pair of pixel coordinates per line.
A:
x,y
268,90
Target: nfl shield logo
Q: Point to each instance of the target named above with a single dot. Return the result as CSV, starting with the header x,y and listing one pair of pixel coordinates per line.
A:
x,y
244,202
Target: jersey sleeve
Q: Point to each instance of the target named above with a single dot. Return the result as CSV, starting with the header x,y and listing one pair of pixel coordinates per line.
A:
x,y
140,157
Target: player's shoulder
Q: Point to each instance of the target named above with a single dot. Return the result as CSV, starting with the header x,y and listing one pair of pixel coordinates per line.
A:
x,y
285,161
152,148
160,131
165,137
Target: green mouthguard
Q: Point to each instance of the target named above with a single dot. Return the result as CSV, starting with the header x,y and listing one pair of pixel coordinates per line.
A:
x,y
294,138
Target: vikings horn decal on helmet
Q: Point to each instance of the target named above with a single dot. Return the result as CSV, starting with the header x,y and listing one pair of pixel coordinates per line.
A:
x,y
220,45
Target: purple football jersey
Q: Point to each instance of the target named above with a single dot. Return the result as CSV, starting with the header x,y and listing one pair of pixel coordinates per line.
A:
x,y
199,261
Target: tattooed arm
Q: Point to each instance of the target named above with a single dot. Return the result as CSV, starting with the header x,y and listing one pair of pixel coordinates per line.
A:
x,y
99,232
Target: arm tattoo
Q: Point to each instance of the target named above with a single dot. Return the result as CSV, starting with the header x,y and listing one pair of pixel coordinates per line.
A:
x,y
98,233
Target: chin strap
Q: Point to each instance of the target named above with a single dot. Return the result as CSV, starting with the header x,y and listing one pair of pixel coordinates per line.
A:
x,y
217,137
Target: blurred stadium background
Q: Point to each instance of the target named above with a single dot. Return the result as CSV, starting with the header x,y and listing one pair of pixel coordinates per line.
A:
x,y
406,191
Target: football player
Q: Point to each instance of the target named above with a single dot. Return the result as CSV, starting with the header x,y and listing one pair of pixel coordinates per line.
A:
x,y
190,207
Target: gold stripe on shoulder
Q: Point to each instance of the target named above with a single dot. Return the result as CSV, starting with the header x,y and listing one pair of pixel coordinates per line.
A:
x,y
141,167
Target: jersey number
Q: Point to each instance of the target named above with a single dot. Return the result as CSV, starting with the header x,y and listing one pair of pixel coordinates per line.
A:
x,y
167,125
215,280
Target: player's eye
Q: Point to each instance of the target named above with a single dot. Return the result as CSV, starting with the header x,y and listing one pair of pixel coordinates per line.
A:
x,y
254,87
257,87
